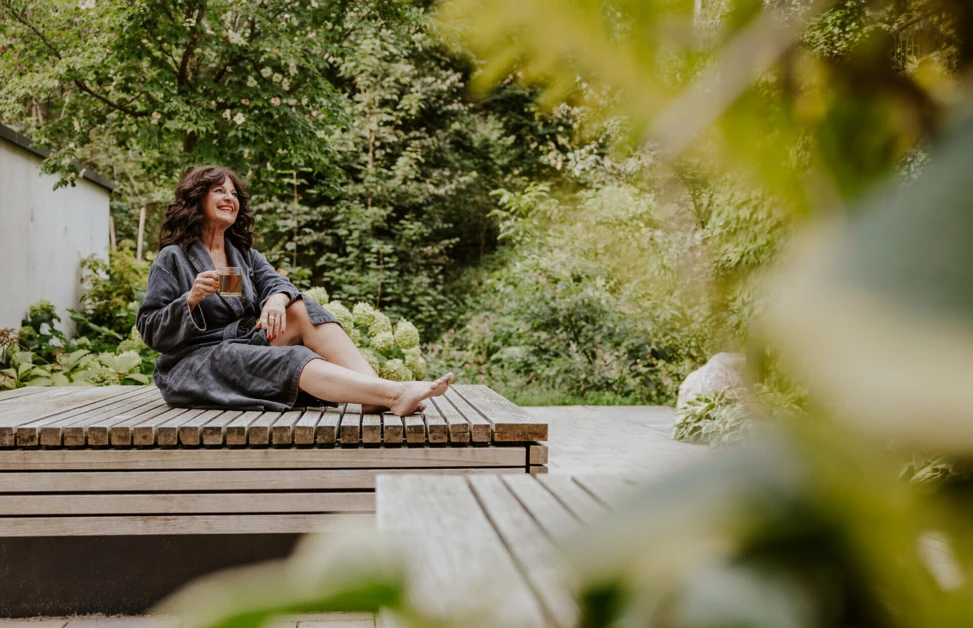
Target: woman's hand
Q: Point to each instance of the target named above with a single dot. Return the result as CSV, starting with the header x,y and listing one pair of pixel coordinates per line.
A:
x,y
273,317
206,284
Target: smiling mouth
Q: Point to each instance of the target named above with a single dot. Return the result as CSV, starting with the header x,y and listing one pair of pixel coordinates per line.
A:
x,y
226,208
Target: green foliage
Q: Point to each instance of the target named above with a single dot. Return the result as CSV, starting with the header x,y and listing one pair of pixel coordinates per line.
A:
x,y
41,355
110,298
393,356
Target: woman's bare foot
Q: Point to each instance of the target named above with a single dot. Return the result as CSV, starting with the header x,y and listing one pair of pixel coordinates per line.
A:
x,y
412,393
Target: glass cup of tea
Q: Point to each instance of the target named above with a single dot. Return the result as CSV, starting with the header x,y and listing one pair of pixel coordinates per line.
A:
x,y
231,281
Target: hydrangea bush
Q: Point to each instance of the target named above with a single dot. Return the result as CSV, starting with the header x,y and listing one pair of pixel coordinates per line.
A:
x,y
393,352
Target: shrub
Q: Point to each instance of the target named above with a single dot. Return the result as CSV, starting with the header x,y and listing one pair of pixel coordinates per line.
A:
x,y
112,293
393,354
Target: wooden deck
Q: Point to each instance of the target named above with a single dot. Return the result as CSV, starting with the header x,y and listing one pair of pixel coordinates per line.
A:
x,y
335,620
117,460
489,544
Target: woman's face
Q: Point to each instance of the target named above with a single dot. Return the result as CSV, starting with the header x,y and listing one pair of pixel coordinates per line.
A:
x,y
220,206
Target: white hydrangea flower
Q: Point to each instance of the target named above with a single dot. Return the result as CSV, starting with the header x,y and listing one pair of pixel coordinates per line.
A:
x,y
383,342
380,324
318,295
341,313
239,118
406,335
396,370
251,82
364,314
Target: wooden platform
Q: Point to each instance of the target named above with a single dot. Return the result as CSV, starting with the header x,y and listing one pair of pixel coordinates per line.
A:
x,y
118,461
487,546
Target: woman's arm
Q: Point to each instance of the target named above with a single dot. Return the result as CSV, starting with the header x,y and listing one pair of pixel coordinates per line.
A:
x,y
268,282
165,319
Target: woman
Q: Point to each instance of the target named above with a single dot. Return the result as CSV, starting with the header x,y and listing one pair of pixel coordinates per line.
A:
x,y
257,350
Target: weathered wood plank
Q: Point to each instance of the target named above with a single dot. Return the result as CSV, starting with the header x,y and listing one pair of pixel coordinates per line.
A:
x,y
511,423
122,433
415,429
326,432
537,454
63,482
167,434
294,458
371,429
549,512
612,491
20,424
17,393
536,557
574,498
214,432
98,433
143,434
123,622
181,524
52,430
443,530
459,427
191,432
436,428
282,432
480,430
350,427
305,426
258,434
236,430
393,429
185,503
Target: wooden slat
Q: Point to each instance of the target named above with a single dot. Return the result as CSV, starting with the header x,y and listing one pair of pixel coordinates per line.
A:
x,y
17,393
183,503
123,622
511,423
214,432
326,432
459,427
236,430
98,434
574,498
167,434
415,429
556,520
21,422
258,434
537,454
191,432
393,429
34,623
304,428
535,555
442,529
181,524
612,491
51,430
76,434
293,458
123,432
371,429
350,427
63,482
143,434
480,429
436,428
282,432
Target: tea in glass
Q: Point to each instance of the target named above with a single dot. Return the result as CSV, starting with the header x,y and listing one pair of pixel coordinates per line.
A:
x,y
231,281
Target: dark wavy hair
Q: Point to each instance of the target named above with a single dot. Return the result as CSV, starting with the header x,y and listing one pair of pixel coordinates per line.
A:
x,y
184,218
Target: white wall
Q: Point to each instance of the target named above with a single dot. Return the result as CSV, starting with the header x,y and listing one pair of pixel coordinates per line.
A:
x,y
44,234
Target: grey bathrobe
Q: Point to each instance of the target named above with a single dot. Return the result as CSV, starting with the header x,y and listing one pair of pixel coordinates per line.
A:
x,y
212,356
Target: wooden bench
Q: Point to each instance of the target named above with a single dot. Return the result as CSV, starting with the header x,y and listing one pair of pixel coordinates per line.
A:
x,y
487,546
117,461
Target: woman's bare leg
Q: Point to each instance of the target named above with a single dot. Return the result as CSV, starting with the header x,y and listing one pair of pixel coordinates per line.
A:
x,y
336,383
328,341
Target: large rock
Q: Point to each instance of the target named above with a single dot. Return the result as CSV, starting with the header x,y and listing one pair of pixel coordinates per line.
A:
x,y
724,370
